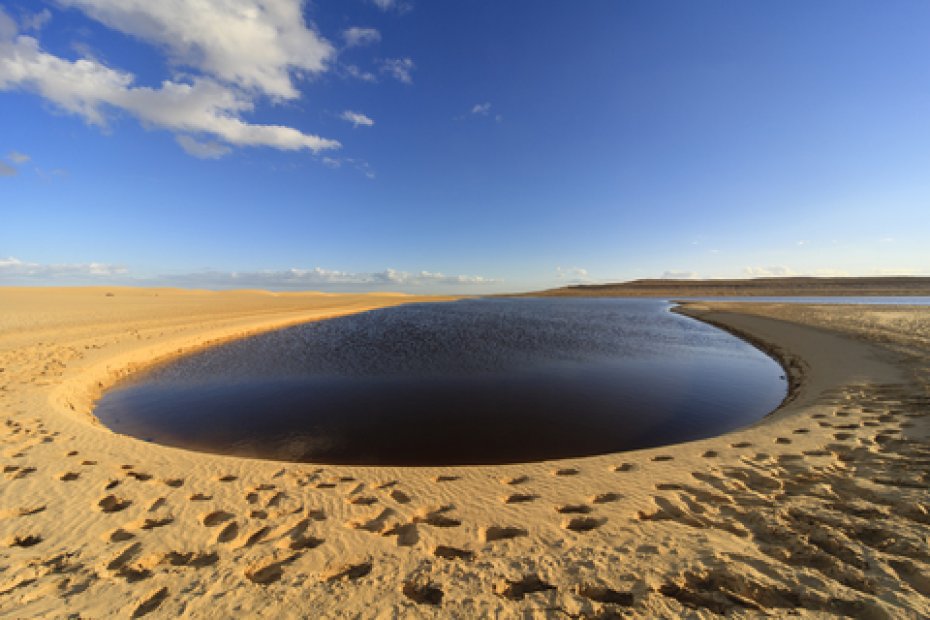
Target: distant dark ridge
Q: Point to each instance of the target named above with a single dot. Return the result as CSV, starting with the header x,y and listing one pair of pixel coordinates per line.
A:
x,y
896,286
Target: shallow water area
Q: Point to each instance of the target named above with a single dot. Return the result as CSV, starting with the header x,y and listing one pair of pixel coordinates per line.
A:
x,y
468,382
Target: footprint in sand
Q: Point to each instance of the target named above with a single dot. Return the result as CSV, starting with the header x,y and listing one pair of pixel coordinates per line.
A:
x,y
216,517
494,533
606,498
437,517
583,524
120,535
228,533
150,603
374,525
400,497
625,467
605,595
191,559
111,503
422,592
362,500
516,590
267,572
407,534
69,476
446,478
515,480
29,540
573,509
663,458
520,498
348,572
453,553
566,471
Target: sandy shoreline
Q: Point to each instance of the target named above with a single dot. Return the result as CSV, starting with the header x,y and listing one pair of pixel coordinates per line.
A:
x,y
821,508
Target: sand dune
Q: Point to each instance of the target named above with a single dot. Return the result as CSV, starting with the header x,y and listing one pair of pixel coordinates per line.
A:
x,y
821,509
888,286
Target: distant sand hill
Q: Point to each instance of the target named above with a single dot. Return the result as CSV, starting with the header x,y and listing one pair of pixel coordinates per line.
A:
x,y
757,287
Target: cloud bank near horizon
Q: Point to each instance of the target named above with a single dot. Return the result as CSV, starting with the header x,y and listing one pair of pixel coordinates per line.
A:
x,y
14,271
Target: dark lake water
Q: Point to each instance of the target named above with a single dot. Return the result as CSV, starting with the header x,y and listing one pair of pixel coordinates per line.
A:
x,y
467,382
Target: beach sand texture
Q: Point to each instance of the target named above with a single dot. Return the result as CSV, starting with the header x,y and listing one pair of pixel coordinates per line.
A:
x,y
821,508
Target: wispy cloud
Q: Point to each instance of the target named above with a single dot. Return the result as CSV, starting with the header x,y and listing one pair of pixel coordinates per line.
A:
x,y
393,5
18,158
203,150
357,37
399,68
356,118
231,73
36,21
781,271
360,74
481,109
680,275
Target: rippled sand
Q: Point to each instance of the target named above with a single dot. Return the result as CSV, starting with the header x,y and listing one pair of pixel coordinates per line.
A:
x,y
821,508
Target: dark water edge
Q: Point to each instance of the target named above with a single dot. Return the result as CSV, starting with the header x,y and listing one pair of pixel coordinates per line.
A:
x,y
469,382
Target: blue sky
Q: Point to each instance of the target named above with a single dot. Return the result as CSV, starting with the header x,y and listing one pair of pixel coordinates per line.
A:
x,y
460,146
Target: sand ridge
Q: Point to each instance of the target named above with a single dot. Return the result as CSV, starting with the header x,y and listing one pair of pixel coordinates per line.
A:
x,y
821,508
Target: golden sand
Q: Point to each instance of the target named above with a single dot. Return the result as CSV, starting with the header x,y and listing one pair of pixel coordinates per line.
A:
x,y
821,509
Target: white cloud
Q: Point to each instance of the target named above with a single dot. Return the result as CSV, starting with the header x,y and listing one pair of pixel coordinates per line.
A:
x,y
7,171
357,37
89,89
680,275
202,150
250,43
17,157
481,109
399,68
15,269
356,118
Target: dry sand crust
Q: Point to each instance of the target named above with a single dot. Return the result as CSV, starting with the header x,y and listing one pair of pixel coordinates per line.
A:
x,y
820,510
